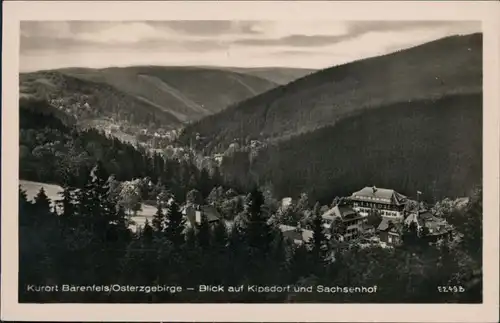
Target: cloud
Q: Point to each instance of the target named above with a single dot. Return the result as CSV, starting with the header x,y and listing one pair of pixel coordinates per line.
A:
x,y
353,30
208,27
314,44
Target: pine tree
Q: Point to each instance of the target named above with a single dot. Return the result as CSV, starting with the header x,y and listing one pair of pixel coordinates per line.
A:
x,y
258,231
203,232
67,202
121,220
23,196
220,234
42,203
318,241
205,183
190,237
25,217
95,203
159,218
279,253
174,229
147,233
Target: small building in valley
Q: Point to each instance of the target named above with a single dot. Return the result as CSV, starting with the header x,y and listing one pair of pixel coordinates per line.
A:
x,y
194,213
296,235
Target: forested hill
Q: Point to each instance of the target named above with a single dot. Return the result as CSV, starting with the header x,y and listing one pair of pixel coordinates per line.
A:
x,y
167,95
52,151
444,67
433,146
88,100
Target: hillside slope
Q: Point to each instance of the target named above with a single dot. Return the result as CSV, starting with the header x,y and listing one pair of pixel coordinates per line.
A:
x,y
433,146
187,93
91,99
448,66
279,75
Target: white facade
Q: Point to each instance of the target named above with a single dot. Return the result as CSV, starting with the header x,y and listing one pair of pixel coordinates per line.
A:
x,y
387,202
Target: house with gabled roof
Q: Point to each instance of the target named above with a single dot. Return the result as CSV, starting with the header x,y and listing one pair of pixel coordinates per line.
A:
x,y
435,228
296,235
194,213
390,232
387,202
351,220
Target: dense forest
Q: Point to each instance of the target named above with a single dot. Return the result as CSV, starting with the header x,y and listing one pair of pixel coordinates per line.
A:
x,y
88,245
87,240
433,146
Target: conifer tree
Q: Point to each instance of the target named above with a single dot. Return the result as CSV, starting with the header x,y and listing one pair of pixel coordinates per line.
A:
x,y
203,232
67,202
147,232
257,231
158,218
279,253
190,237
121,222
318,242
95,203
205,183
42,203
23,196
25,217
174,230
220,234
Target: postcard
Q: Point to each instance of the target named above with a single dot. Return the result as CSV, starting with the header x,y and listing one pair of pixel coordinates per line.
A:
x,y
250,161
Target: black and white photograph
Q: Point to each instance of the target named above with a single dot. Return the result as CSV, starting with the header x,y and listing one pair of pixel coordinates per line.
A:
x,y
250,161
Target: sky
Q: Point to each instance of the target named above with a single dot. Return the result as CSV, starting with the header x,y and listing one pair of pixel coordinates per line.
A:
x,y
301,44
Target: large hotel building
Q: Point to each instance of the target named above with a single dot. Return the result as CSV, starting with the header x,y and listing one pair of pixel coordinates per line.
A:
x,y
388,202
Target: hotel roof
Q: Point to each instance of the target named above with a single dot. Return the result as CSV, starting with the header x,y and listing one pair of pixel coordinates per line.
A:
x,y
344,212
379,195
387,225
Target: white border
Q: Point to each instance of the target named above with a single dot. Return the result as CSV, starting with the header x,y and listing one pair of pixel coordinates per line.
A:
x,y
487,12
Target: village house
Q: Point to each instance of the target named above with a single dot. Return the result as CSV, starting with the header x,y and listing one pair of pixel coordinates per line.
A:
x,y
390,232
194,213
368,229
351,220
435,228
387,202
296,235
218,158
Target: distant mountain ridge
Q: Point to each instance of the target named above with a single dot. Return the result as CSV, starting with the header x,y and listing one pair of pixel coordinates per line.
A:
x,y
279,75
448,66
175,95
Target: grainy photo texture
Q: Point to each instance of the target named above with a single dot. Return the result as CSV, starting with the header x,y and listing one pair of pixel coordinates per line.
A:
x,y
250,162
